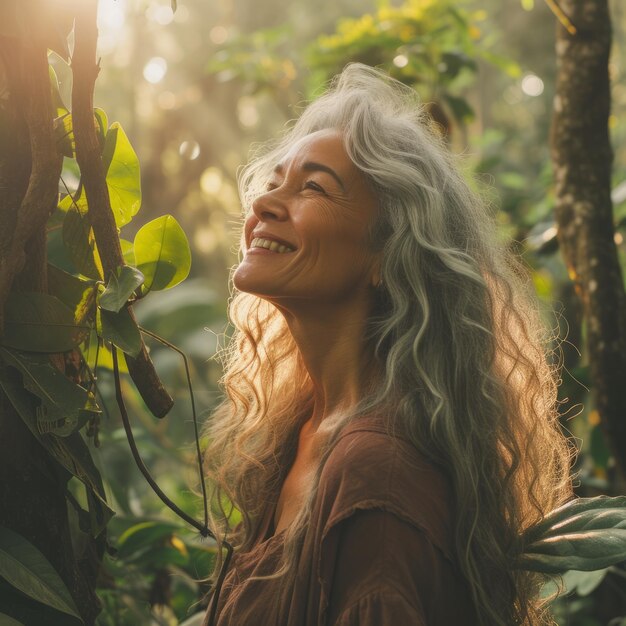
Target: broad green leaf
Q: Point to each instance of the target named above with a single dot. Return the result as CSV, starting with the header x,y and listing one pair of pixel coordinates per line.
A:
x,y
162,253
121,330
80,242
70,452
528,5
128,251
121,286
144,535
57,101
77,294
27,569
122,175
102,125
5,620
586,551
105,358
583,583
569,510
591,520
65,406
37,322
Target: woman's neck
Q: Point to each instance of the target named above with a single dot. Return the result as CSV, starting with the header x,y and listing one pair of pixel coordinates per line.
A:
x,y
332,345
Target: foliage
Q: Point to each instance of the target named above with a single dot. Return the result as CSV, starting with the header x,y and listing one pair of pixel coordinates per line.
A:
x,y
85,313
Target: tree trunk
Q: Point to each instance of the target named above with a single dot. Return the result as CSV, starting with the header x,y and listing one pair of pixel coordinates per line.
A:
x,y
32,485
582,159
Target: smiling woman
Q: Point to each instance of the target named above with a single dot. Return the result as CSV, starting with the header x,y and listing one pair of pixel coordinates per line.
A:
x,y
390,426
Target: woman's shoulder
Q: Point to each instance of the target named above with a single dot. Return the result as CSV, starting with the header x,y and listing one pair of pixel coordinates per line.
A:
x,y
369,468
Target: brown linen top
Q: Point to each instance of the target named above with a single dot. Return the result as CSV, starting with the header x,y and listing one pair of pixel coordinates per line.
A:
x,y
377,552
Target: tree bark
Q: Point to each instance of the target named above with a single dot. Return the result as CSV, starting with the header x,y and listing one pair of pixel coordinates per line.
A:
x,y
582,160
32,485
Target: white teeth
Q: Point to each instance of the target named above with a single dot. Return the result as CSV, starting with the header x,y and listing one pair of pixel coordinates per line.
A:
x,y
268,244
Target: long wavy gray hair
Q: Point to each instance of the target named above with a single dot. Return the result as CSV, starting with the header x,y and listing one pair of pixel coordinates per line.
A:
x,y
464,356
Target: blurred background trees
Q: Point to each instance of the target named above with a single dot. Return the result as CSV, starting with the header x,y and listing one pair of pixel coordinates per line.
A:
x,y
195,89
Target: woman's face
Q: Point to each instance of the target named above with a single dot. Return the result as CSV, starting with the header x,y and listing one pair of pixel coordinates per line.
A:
x,y
319,205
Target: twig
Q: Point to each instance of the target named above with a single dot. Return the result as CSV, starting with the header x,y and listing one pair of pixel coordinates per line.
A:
x,y
203,528
560,15
85,71
193,415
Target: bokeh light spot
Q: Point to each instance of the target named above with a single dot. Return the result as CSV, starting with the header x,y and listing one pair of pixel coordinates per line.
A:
x,y
532,85
189,150
155,69
218,35
400,60
247,112
211,181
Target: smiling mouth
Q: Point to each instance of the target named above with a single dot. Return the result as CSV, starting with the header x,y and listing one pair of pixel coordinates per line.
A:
x,y
272,246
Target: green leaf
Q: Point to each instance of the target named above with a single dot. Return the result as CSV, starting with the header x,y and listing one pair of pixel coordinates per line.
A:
x,y
70,452
102,124
65,406
583,583
37,322
144,535
121,286
77,294
64,133
79,239
26,568
121,330
586,551
122,175
57,101
5,620
162,253
128,251
567,511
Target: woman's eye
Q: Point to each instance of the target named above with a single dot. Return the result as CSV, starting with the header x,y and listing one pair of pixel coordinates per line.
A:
x,y
310,184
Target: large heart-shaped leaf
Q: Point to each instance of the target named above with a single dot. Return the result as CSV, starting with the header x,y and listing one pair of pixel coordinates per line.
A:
x,y
122,283
37,322
162,253
27,569
123,176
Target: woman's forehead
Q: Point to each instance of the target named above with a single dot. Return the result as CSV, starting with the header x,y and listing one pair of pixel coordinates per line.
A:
x,y
326,144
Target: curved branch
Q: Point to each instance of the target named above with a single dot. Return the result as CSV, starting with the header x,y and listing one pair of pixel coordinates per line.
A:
x,y
85,71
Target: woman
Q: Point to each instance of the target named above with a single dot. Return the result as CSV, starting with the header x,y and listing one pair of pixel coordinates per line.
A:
x,y
390,426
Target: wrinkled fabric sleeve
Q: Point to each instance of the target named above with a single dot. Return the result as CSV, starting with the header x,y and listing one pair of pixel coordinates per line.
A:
x,y
387,573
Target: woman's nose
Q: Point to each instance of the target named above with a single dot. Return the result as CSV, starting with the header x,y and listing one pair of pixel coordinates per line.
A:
x,y
269,206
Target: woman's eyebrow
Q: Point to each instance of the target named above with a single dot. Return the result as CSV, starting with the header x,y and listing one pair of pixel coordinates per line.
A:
x,y
312,166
